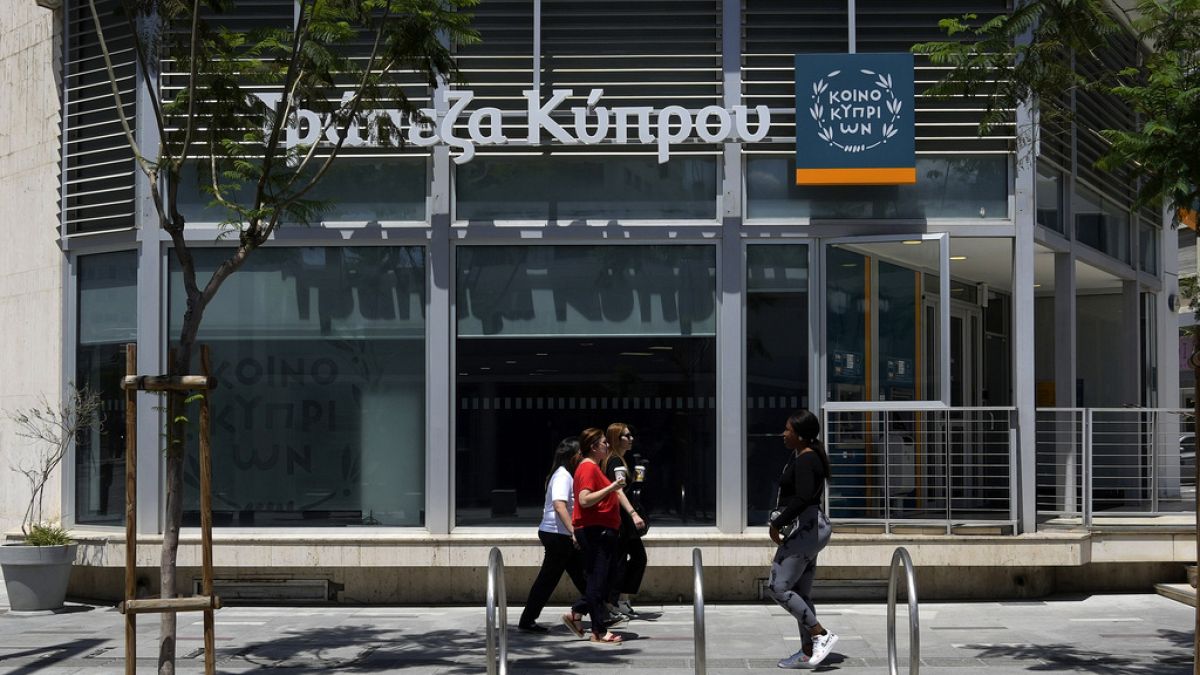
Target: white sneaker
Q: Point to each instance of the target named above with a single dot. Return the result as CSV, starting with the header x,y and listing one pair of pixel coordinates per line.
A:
x,y
822,646
797,661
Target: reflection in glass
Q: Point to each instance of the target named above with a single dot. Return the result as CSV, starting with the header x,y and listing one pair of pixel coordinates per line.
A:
x,y
1049,199
899,333
319,417
1101,224
554,339
960,186
777,358
107,322
355,189
574,188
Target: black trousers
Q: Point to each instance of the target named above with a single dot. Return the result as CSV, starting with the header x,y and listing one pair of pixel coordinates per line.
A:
x,y
560,556
599,548
630,564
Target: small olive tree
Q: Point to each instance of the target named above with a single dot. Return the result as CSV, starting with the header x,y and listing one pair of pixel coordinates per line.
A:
x,y
50,428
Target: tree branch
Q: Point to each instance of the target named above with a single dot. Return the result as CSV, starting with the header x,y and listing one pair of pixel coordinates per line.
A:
x,y
190,120
151,89
112,80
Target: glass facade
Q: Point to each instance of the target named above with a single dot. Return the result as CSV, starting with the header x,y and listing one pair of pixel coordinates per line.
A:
x,y
972,187
107,321
554,339
777,363
413,358
320,413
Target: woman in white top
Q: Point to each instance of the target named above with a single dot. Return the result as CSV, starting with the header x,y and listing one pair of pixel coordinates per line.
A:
x,y
557,535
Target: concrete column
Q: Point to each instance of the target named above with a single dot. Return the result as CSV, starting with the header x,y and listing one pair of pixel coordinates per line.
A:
x,y
731,375
1024,398
439,336
151,321
1131,343
1068,446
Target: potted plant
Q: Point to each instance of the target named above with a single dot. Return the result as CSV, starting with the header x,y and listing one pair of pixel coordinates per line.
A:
x,y
37,569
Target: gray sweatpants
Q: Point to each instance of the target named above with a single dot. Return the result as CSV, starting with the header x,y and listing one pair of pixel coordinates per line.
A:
x,y
794,567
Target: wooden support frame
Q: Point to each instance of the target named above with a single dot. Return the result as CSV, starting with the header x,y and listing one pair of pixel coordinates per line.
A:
x,y
206,602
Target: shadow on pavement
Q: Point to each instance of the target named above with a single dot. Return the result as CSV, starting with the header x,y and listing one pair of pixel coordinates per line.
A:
x,y
1057,657
46,657
367,649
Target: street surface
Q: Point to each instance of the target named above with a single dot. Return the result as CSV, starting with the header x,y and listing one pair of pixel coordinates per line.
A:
x,y
1102,634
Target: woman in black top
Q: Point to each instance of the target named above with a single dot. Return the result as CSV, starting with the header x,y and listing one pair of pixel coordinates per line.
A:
x,y
801,530
630,565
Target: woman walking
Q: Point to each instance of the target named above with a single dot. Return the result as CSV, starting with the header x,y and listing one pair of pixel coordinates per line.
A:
x,y
630,564
801,530
557,535
596,521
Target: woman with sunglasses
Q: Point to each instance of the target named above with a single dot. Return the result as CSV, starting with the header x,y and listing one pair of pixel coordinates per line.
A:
x,y
630,564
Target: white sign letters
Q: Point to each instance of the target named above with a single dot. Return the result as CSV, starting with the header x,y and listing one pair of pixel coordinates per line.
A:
x,y
591,124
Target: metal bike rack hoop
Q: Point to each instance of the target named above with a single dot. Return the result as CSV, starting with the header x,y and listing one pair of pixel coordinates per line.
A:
x,y
698,611
497,615
901,558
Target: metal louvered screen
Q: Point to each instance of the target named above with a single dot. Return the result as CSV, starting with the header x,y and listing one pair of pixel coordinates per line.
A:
x,y
1097,110
949,125
775,31
98,165
250,17
641,53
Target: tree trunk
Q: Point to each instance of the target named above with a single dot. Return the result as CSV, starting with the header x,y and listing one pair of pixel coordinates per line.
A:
x,y
179,363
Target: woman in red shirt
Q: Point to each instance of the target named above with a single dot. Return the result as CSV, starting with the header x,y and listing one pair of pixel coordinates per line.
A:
x,y
597,521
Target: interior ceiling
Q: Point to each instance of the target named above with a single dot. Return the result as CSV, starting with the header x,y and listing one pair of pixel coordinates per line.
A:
x,y
989,261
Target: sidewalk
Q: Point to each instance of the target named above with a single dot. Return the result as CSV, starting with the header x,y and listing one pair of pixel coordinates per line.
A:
x,y
1108,635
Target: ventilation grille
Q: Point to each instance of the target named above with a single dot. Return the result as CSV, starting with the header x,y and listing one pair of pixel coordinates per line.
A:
x,y
775,31
641,53
99,170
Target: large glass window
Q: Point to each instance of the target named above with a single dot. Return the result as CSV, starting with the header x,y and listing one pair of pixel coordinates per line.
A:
x,y
1148,248
354,190
1049,198
1102,224
554,339
569,188
107,285
777,357
960,186
319,415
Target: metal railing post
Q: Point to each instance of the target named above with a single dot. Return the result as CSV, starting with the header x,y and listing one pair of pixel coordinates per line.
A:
x,y
887,472
1087,467
1154,460
1012,478
497,615
698,612
901,559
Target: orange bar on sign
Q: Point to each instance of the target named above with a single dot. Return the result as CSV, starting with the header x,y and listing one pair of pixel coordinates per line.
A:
x,y
899,176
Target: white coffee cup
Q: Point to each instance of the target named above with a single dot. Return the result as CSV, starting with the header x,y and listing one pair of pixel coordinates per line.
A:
x,y
622,474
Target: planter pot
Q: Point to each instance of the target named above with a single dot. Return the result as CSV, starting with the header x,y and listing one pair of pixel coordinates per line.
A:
x,y
36,576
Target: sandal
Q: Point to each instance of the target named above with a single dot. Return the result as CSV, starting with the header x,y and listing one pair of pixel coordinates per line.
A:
x,y
609,638
576,625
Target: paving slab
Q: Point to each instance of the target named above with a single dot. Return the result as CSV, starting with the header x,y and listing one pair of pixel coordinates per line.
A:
x,y
1099,634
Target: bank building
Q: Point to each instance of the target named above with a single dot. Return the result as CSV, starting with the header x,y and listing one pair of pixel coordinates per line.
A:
x,y
688,229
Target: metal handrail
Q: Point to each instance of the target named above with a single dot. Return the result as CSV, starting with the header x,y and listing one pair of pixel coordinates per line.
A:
x,y
698,611
497,615
901,558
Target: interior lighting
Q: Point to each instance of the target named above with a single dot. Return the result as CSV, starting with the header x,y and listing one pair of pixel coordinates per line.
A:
x,y
636,354
958,257
911,242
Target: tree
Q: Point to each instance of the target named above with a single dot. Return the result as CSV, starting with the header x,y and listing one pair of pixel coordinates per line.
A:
x,y
1045,49
338,61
